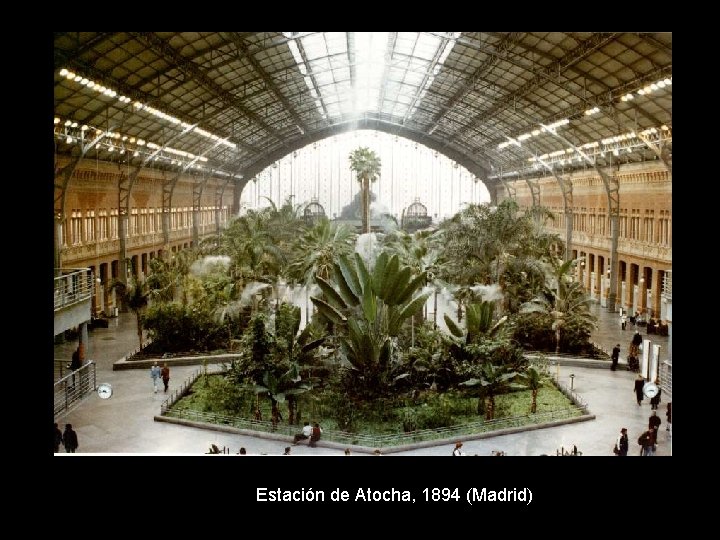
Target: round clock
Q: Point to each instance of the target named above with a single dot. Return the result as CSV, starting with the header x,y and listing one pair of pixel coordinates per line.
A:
x,y
650,390
104,390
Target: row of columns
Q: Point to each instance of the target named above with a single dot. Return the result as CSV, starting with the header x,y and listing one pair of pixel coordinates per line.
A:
x,y
593,273
104,299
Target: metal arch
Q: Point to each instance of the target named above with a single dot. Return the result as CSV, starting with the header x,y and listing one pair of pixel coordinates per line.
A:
x,y
607,100
89,45
163,48
197,196
242,47
534,186
168,188
431,67
219,192
125,186
313,80
469,83
479,168
511,191
567,193
612,188
65,174
573,56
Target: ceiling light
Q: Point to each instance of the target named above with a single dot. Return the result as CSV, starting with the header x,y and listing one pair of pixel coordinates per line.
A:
x,y
68,122
63,72
57,120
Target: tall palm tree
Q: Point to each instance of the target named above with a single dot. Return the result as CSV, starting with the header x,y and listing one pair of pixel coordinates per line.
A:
x,y
366,165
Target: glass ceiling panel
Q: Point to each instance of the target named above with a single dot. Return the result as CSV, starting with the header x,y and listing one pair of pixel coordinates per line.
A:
x,y
370,84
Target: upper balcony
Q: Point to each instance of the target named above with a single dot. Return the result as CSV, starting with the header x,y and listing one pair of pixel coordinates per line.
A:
x,y
73,297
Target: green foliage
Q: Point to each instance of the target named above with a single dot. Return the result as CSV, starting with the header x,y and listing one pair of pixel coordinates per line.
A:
x,y
533,331
175,328
365,163
367,309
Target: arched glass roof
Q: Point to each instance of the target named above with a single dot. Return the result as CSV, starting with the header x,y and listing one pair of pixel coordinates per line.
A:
x,y
233,102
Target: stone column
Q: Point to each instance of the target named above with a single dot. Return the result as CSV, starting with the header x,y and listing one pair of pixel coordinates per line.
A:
x,y
656,292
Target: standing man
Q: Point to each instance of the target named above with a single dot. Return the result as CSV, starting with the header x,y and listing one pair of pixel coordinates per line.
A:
x,y
622,443
615,357
639,383
70,439
165,374
155,375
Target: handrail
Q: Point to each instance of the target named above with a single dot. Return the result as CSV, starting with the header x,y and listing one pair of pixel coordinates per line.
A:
x,y
70,390
72,286
481,426
394,439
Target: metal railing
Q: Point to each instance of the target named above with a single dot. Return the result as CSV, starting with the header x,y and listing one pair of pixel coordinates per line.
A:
x,y
579,408
379,441
667,284
70,390
179,392
73,285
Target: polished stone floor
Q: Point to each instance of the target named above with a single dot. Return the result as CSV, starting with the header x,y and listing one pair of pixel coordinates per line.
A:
x,y
124,423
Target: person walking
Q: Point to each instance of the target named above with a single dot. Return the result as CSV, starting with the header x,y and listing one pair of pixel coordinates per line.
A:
x,y
615,357
165,374
58,439
70,439
647,443
638,389
457,451
155,375
654,422
287,451
668,415
622,443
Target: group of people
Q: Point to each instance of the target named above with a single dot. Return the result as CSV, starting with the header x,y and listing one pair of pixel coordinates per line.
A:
x,y
310,433
68,439
156,373
648,440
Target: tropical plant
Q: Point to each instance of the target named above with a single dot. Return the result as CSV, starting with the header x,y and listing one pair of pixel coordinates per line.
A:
x,y
533,379
366,165
563,298
316,250
493,381
367,311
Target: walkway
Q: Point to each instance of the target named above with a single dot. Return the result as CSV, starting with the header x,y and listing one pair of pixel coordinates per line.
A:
x,y
124,423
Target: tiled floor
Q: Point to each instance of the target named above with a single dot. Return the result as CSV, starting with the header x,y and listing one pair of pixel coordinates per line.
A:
x,y
124,423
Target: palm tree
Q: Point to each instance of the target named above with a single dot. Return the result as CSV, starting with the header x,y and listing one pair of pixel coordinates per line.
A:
x,y
534,379
366,164
564,298
317,249
135,296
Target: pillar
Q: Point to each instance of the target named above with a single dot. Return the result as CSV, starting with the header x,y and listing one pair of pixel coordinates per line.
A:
x,y
656,292
643,288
